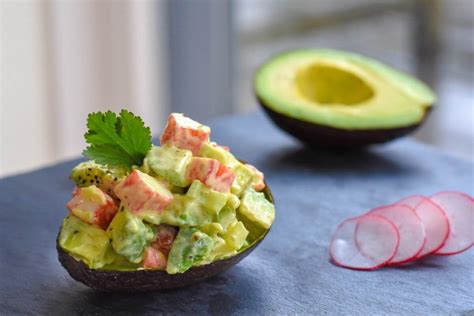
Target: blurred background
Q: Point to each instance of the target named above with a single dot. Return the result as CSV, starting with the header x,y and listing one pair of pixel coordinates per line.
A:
x,y
63,59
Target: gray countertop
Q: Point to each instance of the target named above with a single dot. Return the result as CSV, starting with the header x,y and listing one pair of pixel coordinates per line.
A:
x,y
290,272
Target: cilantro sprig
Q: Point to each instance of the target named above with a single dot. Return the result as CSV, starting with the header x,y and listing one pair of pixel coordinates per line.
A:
x,y
122,140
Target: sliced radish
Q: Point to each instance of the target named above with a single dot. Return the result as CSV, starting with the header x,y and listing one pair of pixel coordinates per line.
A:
x,y
375,235
413,200
410,228
459,209
434,220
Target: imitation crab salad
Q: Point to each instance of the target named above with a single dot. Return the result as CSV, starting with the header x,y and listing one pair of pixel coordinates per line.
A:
x,y
186,203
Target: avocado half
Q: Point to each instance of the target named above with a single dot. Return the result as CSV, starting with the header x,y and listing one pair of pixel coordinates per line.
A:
x,y
330,98
150,280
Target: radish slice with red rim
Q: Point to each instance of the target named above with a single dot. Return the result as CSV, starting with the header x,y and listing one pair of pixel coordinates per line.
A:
x,y
410,228
434,220
459,208
412,201
375,235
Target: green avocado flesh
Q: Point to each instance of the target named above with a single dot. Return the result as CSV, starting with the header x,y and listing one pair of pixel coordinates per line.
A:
x,y
197,226
190,248
341,90
129,235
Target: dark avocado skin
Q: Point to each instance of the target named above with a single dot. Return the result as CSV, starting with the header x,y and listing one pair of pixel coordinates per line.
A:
x,y
319,136
148,280
143,280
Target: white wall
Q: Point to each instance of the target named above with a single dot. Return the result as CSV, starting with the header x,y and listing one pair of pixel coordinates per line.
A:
x,y
63,59
25,101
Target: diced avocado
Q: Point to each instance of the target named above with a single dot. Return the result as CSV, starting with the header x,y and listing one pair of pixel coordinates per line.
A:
x,y
200,206
210,150
212,229
236,235
233,202
255,230
243,179
184,211
129,235
170,163
229,242
212,201
255,207
85,242
117,262
146,169
221,250
105,177
151,217
226,217
93,194
171,187
189,249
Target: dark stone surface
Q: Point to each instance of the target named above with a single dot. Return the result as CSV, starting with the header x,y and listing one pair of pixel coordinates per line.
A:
x,y
289,273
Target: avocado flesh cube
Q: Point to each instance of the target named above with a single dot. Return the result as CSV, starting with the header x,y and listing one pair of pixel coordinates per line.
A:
x,y
228,243
129,235
341,90
243,179
185,211
256,208
190,248
226,217
233,201
212,229
170,163
199,206
85,242
221,250
116,262
220,154
211,200
236,235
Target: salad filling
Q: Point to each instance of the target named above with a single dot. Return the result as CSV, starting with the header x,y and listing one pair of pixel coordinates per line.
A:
x,y
186,203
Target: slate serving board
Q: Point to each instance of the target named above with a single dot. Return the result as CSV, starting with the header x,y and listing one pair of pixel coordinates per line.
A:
x,y
290,272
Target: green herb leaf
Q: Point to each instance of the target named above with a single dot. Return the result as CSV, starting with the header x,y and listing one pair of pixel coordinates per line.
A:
x,y
117,141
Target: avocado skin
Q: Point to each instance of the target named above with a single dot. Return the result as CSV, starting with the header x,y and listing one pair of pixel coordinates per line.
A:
x,y
320,136
144,280
149,280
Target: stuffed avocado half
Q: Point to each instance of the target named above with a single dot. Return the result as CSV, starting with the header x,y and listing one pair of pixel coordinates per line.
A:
x,y
171,208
